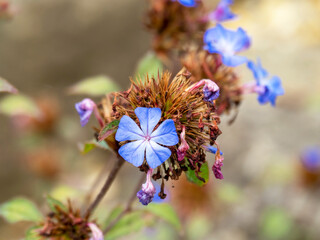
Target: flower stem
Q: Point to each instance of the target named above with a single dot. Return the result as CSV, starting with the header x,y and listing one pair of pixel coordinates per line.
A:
x,y
128,206
106,186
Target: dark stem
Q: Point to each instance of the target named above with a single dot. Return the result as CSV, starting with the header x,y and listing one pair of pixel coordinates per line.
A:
x,y
128,206
106,186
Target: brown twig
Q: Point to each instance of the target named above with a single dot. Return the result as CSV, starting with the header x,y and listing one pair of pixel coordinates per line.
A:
x,y
106,186
128,207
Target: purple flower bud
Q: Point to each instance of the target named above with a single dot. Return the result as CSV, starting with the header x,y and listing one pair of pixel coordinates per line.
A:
x,y
184,147
210,89
85,109
147,192
216,168
96,232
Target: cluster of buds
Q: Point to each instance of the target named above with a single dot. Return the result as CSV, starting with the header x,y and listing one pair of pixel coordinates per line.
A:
x,y
68,224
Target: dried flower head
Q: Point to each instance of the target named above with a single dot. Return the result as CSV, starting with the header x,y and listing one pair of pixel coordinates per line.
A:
x,y
174,25
194,118
65,224
203,65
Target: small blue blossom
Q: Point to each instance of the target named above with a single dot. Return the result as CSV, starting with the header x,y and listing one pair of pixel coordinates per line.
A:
x,y
188,3
212,149
146,142
227,43
85,109
311,159
211,90
222,12
268,89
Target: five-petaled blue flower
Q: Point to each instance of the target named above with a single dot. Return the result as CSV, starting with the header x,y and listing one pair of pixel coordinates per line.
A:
x,y
188,3
146,142
227,43
222,12
267,88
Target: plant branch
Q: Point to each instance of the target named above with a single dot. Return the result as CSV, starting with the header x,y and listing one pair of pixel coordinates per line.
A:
x,y
106,186
128,207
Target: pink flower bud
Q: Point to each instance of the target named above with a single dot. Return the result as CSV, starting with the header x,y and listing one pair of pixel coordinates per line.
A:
x,y
184,147
96,232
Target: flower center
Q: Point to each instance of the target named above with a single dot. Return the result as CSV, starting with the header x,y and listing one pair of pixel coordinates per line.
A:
x,y
148,138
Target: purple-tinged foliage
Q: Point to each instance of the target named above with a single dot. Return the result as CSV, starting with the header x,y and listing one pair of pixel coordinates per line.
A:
x,y
227,43
268,89
222,12
147,192
311,159
146,142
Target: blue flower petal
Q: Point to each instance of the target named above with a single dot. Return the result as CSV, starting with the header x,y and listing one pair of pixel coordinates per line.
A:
x,y
148,117
133,152
222,12
227,43
128,130
233,61
188,3
258,71
166,134
156,154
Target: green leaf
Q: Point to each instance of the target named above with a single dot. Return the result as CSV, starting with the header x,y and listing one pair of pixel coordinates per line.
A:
x,y
113,215
94,86
32,234
20,209
5,86
108,130
19,105
204,173
229,193
276,224
166,212
130,223
90,145
52,202
150,65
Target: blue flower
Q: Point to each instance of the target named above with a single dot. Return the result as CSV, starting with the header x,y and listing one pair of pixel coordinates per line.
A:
x,y
85,109
212,149
311,159
267,88
145,141
222,12
188,3
227,43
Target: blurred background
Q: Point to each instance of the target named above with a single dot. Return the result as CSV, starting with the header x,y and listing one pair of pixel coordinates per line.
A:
x,y
266,194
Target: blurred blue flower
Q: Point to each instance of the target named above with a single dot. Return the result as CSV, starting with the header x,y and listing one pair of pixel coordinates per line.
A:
x,y
227,43
311,159
212,149
85,109
268,89
222,12
146,142
188,3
